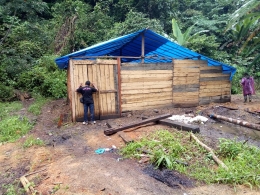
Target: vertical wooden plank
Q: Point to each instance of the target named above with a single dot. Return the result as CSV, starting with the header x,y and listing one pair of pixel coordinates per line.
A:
x,y
108,87
83,77
73,106
105,81
119,84
116,88
95,95
76,84
100,78
112,95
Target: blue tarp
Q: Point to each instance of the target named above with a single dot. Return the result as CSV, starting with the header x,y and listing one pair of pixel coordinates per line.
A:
x,y
158,49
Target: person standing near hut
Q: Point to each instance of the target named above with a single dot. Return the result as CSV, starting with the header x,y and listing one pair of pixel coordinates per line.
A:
x,y
88,101
247,83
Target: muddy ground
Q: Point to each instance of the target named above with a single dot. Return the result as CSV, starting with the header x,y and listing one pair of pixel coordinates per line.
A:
x,y
67,164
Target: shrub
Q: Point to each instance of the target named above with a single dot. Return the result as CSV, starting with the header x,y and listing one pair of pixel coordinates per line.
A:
x,y
45,78
6,92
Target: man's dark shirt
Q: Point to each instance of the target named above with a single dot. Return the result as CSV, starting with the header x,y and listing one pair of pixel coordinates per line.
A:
x,y
87,94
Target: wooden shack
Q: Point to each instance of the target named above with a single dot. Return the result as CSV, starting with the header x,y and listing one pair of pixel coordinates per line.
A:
x,y
133,86
144,70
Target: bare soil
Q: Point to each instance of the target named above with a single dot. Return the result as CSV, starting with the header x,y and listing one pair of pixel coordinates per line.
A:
x,y
69,165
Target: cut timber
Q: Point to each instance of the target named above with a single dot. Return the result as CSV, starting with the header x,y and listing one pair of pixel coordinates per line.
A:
x,y
230,108
115,130
125,137
235,121
27,186
215,158
179,125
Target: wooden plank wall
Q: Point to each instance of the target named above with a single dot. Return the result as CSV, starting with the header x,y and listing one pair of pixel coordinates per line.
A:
x,y
186,74
214,85
183,83
145,86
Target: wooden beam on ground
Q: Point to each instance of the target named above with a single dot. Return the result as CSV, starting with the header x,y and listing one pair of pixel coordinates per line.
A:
x,y
215,158
27,186
115,130
125,137
230,108
179,125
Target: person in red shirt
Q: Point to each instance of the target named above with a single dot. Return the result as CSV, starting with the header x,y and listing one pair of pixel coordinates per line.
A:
x,y
247,83
88,101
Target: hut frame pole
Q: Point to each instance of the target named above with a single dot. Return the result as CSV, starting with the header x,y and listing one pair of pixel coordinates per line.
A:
x,y
143,41
119,85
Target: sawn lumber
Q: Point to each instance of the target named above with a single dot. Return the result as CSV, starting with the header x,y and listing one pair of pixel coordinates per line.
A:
x,y
179,125
115,130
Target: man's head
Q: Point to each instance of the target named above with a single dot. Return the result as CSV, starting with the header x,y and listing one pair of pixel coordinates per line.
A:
x,y
87,83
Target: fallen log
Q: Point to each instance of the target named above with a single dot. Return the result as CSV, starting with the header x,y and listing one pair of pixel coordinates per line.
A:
x,y
215,158
115,130
235,121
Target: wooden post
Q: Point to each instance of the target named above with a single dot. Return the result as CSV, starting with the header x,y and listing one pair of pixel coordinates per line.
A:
x,y
119,85
143,48
73,91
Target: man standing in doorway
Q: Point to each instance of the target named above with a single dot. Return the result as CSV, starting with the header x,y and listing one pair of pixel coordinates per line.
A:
x,y
88,101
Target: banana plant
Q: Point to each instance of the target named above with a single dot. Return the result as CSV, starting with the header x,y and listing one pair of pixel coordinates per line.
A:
x,y
244,24
183,38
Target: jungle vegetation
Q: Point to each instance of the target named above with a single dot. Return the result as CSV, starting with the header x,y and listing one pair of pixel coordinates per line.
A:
x,y
34,33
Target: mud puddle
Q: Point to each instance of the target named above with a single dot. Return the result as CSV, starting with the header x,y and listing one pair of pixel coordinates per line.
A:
x,y
237,130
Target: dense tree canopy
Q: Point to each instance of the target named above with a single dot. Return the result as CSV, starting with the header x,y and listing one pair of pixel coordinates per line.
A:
x,y
33,33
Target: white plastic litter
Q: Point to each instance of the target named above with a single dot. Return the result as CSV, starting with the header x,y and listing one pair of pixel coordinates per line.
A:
x,y
187,119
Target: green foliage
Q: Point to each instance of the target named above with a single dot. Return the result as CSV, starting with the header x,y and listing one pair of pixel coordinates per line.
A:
x,y
165,148
135,21
9,107
244,169
37,105
230,149
162,146
45,79
186,37
32,33
10,189
31,141
236,87
12,128
6,92
206,45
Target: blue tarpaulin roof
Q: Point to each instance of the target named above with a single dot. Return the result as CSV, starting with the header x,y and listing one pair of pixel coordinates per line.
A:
x,y
158,49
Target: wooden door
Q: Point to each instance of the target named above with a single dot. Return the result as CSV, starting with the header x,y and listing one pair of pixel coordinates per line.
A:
x,y
103,73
